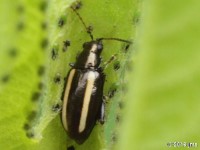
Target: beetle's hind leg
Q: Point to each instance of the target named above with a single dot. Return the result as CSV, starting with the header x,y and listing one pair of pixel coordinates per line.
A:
x,y
101,116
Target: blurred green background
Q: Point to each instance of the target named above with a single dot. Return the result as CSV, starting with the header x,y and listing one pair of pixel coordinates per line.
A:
x,y
158,81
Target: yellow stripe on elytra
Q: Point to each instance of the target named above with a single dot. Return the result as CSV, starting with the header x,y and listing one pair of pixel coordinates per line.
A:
x,y
66,96
86,100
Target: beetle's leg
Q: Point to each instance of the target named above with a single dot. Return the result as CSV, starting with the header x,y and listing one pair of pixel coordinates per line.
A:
x,y
112,58
105,98
71,65
102,113
101,59
57,107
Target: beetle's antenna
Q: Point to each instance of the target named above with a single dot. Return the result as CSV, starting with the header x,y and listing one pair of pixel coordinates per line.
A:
x,y
81,19
116,39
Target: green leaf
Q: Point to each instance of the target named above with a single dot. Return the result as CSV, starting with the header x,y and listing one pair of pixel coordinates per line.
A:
x,y
163,100
21,58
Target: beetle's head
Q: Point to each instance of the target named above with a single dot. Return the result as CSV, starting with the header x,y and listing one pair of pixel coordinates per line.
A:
x,y
94,46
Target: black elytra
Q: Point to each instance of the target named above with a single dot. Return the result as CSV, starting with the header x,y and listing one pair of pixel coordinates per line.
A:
x,y
83,91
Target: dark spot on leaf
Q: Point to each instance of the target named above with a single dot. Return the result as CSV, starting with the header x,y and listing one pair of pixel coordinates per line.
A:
x,y
5,78
136,19
32,115
44,43
40,85
121,105
20,9
61,22
116,66
43,6
114,137
30,135
41,70
57,78
44,25
54,52
12,52
127,47
118,118
70,147
65,45
36,96
20,26
26,126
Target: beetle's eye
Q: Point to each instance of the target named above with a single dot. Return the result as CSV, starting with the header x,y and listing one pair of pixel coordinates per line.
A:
x,y
99,46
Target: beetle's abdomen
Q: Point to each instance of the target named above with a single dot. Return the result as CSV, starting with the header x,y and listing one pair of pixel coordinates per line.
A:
x,y
82,102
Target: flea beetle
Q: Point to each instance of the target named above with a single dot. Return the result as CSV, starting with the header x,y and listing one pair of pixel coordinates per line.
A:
x,y
83,92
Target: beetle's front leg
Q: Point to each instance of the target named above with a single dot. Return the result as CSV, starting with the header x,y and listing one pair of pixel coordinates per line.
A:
x,y
71,65
112,58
